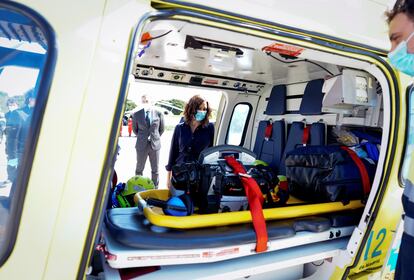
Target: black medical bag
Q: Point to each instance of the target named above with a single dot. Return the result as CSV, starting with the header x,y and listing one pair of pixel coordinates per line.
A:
x,y
215,188
327,173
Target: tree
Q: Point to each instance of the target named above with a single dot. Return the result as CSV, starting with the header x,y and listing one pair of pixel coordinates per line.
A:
x,y
130,105
176,106
3,101
178,103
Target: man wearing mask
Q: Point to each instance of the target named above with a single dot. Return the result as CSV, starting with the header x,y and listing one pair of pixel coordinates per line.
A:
x,y
148,126
401,56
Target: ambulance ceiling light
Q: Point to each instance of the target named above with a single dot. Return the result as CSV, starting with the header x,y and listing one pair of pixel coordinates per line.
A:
x,y
222,61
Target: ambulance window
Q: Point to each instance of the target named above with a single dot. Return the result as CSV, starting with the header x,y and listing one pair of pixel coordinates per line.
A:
x,y
238,124
27,57
409,143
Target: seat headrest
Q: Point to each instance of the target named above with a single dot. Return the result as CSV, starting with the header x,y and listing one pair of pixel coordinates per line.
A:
x,y
312,98
276,104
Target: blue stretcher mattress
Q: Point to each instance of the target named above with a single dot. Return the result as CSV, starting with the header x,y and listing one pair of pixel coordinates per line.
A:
x,y
130,227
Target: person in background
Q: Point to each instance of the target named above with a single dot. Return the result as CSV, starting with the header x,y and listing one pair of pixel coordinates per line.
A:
x,y
26,113
192,136
148,126
14,123
130,126
124,122
30,102
401,34
2,126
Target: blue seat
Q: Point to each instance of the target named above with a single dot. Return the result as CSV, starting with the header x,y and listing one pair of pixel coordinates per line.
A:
x,y
270,150
276,104
312,98
273,150
317,136
311,104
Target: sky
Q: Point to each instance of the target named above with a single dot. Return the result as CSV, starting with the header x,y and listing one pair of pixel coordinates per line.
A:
x,y
17,80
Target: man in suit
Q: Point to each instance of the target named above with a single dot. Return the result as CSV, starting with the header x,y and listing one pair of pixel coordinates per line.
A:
x,y
148,126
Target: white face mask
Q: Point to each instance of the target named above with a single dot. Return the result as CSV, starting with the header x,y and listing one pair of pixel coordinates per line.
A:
x,y
12,107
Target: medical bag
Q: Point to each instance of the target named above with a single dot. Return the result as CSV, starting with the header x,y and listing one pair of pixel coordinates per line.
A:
x,y
328,173
214,188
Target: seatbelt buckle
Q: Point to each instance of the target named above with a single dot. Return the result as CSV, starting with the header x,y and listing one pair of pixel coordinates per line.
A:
x,y
245,175
268,130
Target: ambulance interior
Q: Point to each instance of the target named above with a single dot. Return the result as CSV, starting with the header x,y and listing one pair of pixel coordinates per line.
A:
x,y
294,90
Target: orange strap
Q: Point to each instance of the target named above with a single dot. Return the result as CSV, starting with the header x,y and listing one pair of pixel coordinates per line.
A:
x,y
366,185
255,199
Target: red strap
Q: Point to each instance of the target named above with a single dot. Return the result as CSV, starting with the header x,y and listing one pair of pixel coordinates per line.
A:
x,y
366,185
255,199
306,132
268,130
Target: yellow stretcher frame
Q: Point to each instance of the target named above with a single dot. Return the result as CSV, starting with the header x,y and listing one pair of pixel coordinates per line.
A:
x,y
157,217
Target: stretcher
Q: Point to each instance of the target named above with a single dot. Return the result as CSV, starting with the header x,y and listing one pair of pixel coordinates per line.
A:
x,y
295,208
129,240
145,236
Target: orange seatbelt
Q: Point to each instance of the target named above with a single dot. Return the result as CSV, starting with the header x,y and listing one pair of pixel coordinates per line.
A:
x,y
255,198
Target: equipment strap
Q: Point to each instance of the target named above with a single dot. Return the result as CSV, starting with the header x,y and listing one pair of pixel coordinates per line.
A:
x,y
255,199
306,134
366,185
268,130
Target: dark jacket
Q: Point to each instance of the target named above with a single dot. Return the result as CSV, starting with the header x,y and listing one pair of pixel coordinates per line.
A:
x,y
15,121
187,146
148,133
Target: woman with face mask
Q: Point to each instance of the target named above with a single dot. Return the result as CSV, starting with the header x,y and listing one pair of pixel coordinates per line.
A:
x,y
193,135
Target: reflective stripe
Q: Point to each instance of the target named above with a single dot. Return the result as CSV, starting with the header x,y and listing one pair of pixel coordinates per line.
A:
x,y
409,190
409,226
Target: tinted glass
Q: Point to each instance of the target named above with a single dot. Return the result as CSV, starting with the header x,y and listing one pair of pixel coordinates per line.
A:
x,y
26,63
237,124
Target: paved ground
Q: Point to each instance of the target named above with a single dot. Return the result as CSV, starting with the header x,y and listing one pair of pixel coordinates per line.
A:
x,y
125,163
